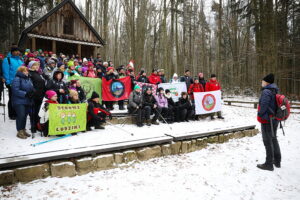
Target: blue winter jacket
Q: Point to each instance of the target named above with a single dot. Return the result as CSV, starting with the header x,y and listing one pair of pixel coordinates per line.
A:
x,y
20,86
267,101
10,70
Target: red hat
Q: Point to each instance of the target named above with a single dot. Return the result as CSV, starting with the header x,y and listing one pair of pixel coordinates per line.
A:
x,y
45,52
37,60
90,64
1,56
73,82
50,53
30,55
109,68
50,94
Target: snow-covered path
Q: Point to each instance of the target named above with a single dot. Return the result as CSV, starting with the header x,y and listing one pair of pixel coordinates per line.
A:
x,y
221,171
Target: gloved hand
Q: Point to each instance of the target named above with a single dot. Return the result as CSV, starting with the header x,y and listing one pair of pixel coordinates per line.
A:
x,y
110,116
29,94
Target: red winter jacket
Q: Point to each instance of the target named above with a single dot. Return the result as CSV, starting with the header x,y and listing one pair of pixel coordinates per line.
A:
x,y
154,79
212,86
195,87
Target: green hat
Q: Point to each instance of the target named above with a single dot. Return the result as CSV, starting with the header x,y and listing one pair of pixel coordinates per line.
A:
x,y
136,87
70,63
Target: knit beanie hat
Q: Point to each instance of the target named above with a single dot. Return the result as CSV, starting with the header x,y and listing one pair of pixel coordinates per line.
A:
x,y
136,87
110,68
31,63
213,76
269,78
50,94
94,95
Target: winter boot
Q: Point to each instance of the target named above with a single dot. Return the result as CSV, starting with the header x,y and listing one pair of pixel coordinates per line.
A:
x,y
99,127
277,164
148,122
212,117
26,133
220,117
155,122
21,134
140,124
265,167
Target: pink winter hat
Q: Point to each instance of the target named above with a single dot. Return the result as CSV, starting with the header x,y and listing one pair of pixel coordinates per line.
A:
x,y
50,94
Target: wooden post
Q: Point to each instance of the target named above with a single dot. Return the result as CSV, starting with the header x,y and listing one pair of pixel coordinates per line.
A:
x,y
54,46
95,51
33,44
79,50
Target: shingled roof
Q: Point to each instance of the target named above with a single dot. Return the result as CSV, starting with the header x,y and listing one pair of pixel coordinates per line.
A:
x,y
24,35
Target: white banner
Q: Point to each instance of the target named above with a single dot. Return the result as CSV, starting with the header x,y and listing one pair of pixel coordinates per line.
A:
x,y
207,102
175,88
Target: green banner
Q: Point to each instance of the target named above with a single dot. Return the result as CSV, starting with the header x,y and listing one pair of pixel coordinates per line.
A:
x,y
89,85
67,118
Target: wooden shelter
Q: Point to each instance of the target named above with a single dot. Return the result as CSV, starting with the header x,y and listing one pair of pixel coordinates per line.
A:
x,y
64,29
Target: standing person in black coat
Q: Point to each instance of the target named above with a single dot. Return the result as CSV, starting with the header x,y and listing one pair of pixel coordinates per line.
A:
x,y
187,78
202,81
142,77
110,75
96,113
266,108
149,107
59,87
184,109
39,85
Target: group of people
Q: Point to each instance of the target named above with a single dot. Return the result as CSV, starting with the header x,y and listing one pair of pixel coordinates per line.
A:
x,y
36,79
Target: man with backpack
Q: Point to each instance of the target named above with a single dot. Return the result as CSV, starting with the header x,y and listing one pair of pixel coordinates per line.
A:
x,y
9,68
266,116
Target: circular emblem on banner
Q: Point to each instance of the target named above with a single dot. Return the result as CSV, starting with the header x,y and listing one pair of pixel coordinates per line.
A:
x,y
209,102
117,89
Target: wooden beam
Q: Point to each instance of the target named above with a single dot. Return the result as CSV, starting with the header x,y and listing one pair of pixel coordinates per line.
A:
x,y
33,44
54,46
79,50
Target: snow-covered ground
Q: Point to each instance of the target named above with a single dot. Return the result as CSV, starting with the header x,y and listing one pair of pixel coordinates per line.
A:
x,y
221,171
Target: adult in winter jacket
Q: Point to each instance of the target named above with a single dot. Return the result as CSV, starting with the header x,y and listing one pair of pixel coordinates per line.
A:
x,y
202,81
22,93
171,106
213,85
73,97
59,86
266,109
184,108
135,104
195,87
96,113
49,68
154,78
51,98
187,78
161,73
150,106
10,66
39,84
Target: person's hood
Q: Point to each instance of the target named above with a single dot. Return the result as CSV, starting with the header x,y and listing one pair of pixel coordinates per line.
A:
x,y
57,72
272,86
21,75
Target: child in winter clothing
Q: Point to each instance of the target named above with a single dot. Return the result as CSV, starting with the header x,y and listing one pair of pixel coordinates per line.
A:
x,y
73,97
51,97
171,106
90,72
96,113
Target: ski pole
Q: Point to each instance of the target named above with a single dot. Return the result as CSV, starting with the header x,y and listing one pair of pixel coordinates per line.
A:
x,y
130,114
4,105
39,143
120,128
163,119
